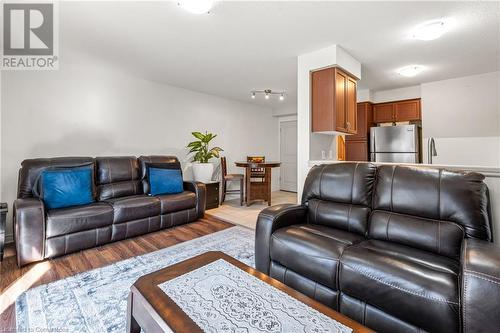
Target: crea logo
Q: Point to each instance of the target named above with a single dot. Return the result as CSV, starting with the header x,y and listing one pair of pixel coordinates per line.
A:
x,y
29,36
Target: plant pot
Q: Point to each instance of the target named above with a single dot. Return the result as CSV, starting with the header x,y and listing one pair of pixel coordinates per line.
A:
x,y
202,172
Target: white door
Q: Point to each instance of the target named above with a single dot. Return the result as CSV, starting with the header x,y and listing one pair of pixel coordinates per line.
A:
x,y
288,156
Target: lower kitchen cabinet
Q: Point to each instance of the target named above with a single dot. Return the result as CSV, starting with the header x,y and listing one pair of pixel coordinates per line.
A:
x,y
356,150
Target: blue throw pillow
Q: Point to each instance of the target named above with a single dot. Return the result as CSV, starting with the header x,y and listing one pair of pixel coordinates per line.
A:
x,y
66,187
164,181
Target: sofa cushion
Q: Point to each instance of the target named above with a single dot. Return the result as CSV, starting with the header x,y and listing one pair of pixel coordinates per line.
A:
x,y
407,283
175,202
69,220
340,195
164,181
311,250
118,176
66,187
435,194
134,208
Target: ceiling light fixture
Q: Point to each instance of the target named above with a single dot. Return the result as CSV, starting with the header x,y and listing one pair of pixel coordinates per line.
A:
x,y
410,71
196,6
432,29
268,93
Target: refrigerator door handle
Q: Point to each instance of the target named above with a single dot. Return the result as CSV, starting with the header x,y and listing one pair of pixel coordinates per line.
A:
x,y
372,145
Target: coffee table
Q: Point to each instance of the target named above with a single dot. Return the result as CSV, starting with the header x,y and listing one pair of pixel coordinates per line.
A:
x,y
215,291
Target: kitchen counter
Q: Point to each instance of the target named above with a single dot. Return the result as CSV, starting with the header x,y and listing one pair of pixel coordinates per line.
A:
x,y
485,170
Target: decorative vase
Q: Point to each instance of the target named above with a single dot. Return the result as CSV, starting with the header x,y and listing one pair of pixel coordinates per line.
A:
x,y
202,172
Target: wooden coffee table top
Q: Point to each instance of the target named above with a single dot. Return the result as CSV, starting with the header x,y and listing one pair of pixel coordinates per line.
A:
x,y
154,309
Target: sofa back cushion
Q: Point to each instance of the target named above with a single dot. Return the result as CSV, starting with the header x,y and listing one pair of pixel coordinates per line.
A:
x,y
31,169
340,195
431,209
145,161
117,176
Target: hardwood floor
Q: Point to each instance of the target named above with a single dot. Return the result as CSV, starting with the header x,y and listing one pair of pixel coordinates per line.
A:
x,y
15,280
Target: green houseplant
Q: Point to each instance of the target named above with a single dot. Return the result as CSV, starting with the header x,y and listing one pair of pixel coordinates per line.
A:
x,y
202,153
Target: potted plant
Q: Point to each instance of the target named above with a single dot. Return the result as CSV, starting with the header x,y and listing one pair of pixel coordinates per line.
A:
x,y
202,169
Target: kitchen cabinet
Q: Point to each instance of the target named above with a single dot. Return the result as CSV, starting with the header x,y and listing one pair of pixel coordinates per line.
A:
x,y
356,150
407,110
333,101
356,145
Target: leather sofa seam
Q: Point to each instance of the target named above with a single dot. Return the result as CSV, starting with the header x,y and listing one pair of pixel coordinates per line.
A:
x,y
482,276
399,288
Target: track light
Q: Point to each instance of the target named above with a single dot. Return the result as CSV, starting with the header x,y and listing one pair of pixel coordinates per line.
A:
x,y
268,93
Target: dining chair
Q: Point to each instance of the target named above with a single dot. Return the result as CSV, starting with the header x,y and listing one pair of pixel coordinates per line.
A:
x,y
257,173
229,178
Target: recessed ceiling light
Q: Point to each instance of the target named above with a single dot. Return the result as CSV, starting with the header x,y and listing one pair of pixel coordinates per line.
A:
x,y
410,71
196,6
432,29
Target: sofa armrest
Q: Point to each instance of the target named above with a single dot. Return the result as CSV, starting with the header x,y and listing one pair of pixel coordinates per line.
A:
x,y
29,229
201,196
480,286
269,220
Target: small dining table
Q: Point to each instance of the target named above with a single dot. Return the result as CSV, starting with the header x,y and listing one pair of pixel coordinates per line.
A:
x,y
261,190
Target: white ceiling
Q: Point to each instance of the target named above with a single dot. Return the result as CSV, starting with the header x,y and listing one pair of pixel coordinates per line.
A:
x,y
242,46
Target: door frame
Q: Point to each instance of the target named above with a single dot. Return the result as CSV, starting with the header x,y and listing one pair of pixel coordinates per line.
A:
x,y
284,119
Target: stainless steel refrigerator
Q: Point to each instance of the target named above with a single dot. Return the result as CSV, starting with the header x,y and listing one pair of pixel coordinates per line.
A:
x,y
396,144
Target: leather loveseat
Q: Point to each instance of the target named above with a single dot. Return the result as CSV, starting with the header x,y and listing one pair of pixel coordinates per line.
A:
x,y
121,209
398,249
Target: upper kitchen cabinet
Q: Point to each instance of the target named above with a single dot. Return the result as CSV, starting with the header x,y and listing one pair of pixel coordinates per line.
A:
x,y
364,121
408,110
333,101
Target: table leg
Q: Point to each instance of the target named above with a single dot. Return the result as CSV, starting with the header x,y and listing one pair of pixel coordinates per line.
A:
x,y
248,187
268,181
132,325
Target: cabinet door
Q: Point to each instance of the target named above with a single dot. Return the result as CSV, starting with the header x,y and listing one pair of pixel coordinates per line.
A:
x,y
361,122
322,92
340,100
356,150
351,107
383,113
407,110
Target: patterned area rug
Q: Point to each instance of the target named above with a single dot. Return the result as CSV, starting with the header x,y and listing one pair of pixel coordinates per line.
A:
x,y
96,301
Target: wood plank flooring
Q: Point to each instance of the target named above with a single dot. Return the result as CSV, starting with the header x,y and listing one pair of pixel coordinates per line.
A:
x,y
15,280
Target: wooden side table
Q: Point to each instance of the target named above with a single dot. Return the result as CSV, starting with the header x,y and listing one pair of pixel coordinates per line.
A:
x,y
212,195
3,213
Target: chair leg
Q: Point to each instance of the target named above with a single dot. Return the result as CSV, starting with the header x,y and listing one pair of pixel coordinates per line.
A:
x,y
241,192
223,191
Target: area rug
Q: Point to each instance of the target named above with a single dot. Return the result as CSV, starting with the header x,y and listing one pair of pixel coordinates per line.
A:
x,y
96,300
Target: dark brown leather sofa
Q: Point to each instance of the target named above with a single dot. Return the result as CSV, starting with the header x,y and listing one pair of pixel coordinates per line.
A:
x,y
399,249
121,209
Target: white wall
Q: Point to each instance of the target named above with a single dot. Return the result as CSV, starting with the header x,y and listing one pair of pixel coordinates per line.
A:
x,y
363,95
399,94
288,110
463,115
92,110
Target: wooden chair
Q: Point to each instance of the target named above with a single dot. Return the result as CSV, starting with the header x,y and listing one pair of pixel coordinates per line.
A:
x,y
231,177
258,174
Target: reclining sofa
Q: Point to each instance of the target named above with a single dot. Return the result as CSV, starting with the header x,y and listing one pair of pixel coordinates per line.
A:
x,y
398,249
121,208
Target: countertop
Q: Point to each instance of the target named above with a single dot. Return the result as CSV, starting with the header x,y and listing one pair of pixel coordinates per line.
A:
x,y
488,171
